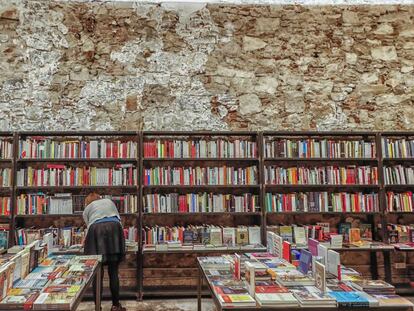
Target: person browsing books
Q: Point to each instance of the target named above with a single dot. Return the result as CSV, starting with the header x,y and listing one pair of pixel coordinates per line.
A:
x,y
105,236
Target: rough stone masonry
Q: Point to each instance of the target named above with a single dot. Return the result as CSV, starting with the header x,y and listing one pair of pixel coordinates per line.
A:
x,y
79,65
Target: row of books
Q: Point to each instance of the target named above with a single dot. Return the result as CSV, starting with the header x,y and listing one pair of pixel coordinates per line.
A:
x,y
5,203
205,235
200,203
5,177
322,202
323,232
397,147
319,148
215,148
399,175
47,148
200,176
398,233
66,203
400,202
6,149
329,175
61,175
65,237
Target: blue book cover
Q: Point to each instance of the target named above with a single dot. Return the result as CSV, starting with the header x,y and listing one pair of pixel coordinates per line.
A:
x,y
305,261
350,299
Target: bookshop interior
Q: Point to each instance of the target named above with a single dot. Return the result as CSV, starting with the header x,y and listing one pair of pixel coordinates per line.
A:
x,y
206,155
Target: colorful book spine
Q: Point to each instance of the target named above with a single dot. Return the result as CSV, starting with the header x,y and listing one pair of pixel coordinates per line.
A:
x,y
319,148
400,202
322,202
61,175
399,175
5,203
192,176
216,148
5,177
329,175
6,149
46,148
397,148
200,203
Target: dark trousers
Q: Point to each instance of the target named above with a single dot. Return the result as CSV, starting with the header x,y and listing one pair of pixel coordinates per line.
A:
x,y
113,282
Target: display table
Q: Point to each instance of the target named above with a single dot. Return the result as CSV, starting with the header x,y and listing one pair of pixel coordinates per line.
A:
x,y
95,274
203,279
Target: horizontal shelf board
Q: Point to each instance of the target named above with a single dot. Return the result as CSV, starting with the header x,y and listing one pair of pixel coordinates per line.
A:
x,y
6,160
280,159
201,159
65,215
330,213
5,189
192,251
198,133
398,159
399,213
318,133
123,160
34,188
202,187
5,217
78,133
403,187
307,187
205,213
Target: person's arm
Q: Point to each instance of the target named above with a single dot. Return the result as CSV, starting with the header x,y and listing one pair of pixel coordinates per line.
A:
x,y
85,216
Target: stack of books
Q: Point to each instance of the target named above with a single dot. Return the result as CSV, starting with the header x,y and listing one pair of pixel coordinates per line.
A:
x,y
397,147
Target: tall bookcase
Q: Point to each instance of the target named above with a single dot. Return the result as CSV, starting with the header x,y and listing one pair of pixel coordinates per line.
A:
x,y
174,271
71,158
7,162
149,272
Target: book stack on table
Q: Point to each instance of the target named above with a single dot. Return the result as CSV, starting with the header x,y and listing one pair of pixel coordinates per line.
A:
x,y
269,281
55,284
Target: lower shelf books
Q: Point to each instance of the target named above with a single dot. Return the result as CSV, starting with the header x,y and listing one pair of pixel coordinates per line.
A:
x,y
400,202
5,177
322,202
66,203
5,206
400,233
399,175
64,238
193,235
200,203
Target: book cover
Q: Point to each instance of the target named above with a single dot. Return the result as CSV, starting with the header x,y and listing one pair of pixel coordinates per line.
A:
x,y
305,261
334,263
286,232
254,235
320,277
366,232
229,236
354,236
313,246
323,253
242,237
300,236
343,229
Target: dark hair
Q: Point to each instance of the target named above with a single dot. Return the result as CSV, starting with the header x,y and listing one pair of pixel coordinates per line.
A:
x,y
91,197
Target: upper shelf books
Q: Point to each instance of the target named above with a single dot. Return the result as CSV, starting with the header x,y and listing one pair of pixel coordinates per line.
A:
x,y
319,148
397,147
75,148
6,149
200,148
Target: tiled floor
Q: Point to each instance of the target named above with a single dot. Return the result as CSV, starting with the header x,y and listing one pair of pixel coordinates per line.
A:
x,y
154,305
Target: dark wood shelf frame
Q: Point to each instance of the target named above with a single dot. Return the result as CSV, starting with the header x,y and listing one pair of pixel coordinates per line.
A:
x,y
259,218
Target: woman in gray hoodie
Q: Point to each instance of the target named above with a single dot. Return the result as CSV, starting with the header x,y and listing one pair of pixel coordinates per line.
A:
x,y
105,237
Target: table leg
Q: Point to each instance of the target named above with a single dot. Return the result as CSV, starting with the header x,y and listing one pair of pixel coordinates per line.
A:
x,y
98,288
374,265
199,284
387,267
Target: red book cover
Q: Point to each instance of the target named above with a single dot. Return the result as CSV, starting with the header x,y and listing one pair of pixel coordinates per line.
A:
x,y
116,155
273,289
56,166
286,250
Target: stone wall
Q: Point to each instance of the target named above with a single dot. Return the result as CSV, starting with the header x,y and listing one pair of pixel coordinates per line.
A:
x,y
67,65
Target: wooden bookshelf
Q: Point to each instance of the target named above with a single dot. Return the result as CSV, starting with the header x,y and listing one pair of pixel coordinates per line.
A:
x,y
153,272
150,259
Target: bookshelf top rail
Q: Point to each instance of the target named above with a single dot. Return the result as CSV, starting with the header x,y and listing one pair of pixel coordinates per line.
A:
x,y
397,133
6,133
77,133
320,133
199,133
